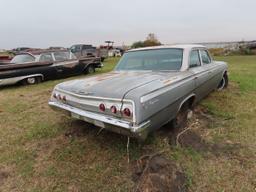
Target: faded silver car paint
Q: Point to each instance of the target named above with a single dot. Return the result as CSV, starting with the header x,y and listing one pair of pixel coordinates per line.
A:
x,y
154,97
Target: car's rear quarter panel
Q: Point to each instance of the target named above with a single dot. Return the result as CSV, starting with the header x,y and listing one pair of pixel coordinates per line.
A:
x,y
160,100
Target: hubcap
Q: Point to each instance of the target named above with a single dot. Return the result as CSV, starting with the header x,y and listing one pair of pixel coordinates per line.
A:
x,y
222,84
31,80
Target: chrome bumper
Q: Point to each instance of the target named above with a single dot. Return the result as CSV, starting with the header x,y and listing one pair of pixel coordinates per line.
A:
x,y
110,123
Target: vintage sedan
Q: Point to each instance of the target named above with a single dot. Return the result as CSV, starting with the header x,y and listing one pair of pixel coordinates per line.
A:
x,y
40,65
148,88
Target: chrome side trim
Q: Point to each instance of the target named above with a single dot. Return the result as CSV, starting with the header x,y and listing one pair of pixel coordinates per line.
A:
x,y
14,80
102,118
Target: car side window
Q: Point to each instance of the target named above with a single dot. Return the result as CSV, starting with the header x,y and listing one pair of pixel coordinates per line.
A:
x,y
205,57
61,56
46,57
194,59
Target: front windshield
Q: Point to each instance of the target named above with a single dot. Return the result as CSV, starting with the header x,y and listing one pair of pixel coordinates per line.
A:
x,y
24,58
75,48
72,56
168,59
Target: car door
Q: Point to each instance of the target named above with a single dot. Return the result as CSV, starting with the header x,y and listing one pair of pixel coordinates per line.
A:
x,y
65,65
201,74
211,67
50,71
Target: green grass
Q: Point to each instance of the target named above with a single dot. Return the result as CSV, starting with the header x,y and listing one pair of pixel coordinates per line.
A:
x,y
242,71
39,157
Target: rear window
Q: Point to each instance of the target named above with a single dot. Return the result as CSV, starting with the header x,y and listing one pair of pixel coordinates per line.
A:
x,y
24,58
153,60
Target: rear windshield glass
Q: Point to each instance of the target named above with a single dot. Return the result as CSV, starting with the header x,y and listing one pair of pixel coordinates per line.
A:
x,y
24,58
154,60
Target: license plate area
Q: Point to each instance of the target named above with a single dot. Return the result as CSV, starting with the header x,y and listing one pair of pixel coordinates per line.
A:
x,y
99,124
95,122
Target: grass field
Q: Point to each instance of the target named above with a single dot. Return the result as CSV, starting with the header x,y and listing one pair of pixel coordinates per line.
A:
x,y
42,150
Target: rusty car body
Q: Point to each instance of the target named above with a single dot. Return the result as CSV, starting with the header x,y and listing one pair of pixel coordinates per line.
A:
x,y
40,65
148,88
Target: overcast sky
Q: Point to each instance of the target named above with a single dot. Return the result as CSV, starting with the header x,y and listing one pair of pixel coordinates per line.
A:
x,y
44,23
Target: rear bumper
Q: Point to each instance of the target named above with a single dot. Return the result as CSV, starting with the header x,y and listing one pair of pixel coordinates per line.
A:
x,y
107,122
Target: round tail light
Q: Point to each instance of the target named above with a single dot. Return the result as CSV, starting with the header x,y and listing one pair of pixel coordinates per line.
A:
x,y
113,109
55,95
59,97
127,112
102,107
64,98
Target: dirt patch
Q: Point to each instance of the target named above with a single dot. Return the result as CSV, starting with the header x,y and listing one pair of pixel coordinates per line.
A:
x,y
194,136
155,173
191,135
191,139
3,176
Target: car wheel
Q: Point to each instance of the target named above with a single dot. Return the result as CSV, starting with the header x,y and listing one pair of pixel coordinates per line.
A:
x,y
90,69
180,122
223,83
31,80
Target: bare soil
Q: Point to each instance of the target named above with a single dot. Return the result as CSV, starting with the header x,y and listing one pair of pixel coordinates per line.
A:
x,y
3,176
156,173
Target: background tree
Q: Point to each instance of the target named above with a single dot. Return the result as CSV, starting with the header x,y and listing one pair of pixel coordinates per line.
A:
x,y
151,40
138,44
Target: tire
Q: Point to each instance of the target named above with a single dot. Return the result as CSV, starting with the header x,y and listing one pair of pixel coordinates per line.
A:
x,y
180,122
31,80
90,70
181,119
223,83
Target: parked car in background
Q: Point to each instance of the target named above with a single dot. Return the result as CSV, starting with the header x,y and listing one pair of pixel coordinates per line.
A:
x,y
19,50
83,50
148,88
37,66
5,59
114,53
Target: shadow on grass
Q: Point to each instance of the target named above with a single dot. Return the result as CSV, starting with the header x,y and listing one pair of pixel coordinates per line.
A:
x,y
104,139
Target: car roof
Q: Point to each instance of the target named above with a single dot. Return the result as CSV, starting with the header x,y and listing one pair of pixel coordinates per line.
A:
x,y
178,46
38,52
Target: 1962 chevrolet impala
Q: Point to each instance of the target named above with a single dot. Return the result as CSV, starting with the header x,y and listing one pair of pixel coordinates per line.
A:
x,y
148,88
